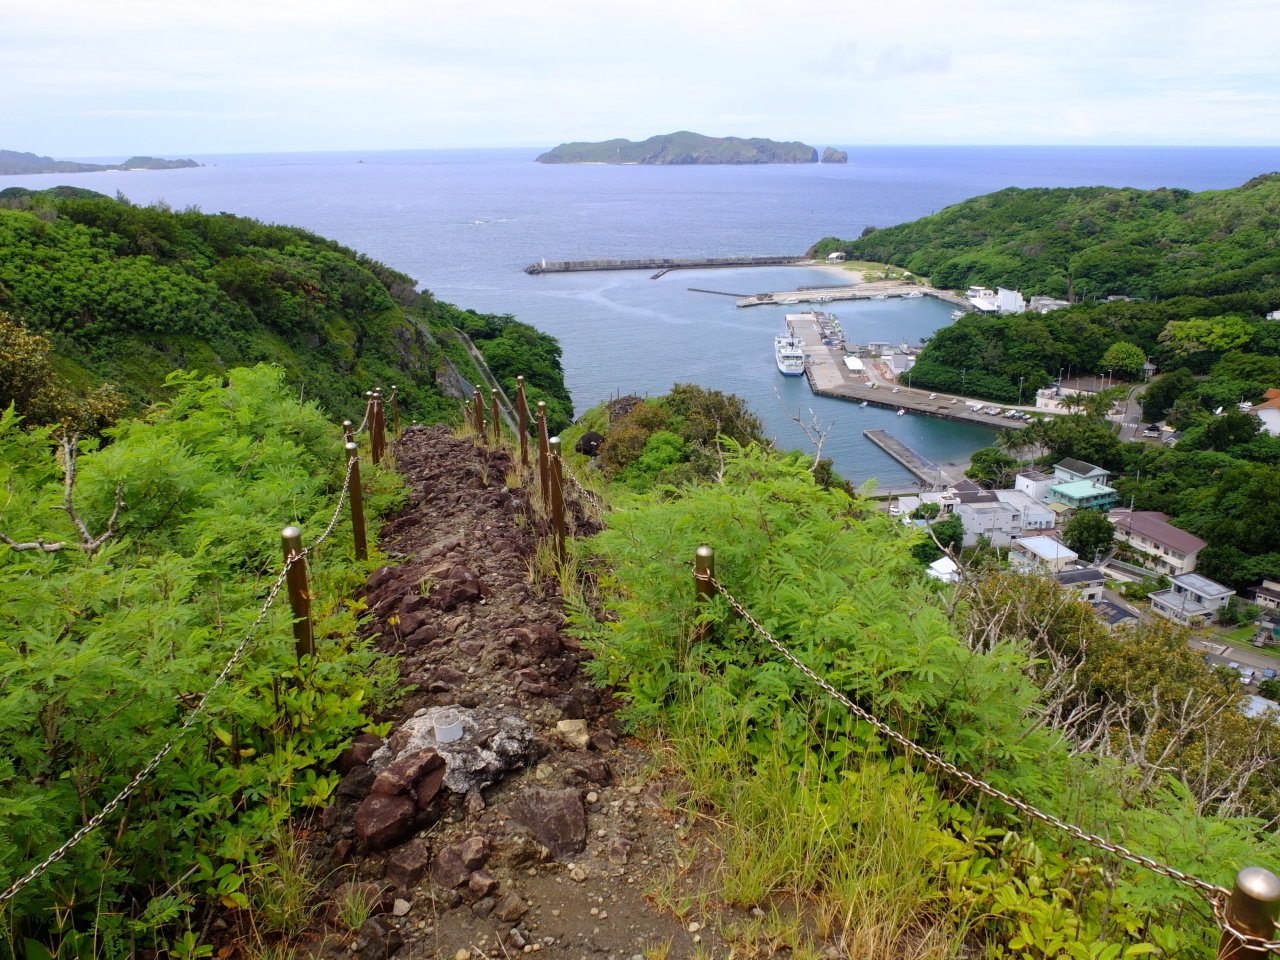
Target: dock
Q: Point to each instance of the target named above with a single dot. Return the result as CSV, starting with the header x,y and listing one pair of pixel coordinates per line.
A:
x,y
830,377
661,264
931,477
875,290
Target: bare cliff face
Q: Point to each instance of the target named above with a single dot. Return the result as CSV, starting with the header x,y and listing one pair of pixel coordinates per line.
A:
x,y
683,148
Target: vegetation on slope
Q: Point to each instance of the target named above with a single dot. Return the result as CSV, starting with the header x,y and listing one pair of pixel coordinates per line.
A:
x,y
128,294
1093,241
107,650
15,162
683,148
1012,678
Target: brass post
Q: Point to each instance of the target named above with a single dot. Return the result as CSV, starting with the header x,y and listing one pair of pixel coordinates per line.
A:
x,y
557,497
497,418
299,598
544,474
395,412
356,493
478,411
704,569
1252,909
522,416
348,430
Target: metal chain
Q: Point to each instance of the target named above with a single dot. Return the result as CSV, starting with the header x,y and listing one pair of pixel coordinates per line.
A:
x,y
131,787
594,500
1211,889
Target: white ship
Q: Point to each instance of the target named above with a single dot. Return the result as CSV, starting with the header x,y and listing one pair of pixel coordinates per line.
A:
x,y
789,352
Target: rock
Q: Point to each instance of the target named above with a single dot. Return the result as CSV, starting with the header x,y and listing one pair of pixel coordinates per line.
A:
x,y
453,864
462,954
342,851
356,784
577,875
556,818
482,884
603,741
832,155
422,636
590,767
617,851
449,594
408,864
401,776
468,763
430,786
574,733
383,821
475,802
510,908
379,938
362,748
454,678
483,907
540,640
400,908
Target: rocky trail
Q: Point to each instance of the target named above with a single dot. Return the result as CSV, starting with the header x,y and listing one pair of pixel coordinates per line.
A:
x,y
505,813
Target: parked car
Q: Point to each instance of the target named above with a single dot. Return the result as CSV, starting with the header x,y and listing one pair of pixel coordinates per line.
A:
x,y
1268,674
1246,676
934,396
1233,665
897,389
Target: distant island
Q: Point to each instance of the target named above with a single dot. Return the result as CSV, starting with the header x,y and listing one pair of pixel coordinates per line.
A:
x,y
12,163
683,148
832,155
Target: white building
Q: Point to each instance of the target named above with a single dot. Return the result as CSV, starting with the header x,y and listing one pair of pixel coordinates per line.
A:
x,y
1069,470
1035,514
1034,484
1191,600
836,256
1010,301
1042,552
1089,583
944,569
989,518
1045,304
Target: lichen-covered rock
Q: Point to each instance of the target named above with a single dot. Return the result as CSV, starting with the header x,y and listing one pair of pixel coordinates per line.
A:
x,y
493,742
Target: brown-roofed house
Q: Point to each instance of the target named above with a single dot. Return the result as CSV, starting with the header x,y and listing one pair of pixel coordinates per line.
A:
x,y
1165,547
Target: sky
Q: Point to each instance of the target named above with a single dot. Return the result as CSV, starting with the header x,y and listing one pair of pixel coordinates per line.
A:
x,y
84,78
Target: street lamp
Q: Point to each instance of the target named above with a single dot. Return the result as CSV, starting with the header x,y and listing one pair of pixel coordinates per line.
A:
x,y
1020,379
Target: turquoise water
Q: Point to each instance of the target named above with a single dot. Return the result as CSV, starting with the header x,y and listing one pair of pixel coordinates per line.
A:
x,y
466,222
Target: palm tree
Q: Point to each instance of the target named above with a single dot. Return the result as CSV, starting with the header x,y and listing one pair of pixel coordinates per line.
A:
x,y
1012,442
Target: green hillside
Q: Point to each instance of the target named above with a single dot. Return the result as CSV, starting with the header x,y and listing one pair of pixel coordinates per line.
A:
x,y
1092,241
13,162
683,148
127,294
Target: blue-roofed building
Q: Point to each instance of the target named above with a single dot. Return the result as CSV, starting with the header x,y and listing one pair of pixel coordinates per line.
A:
x,y
1084,495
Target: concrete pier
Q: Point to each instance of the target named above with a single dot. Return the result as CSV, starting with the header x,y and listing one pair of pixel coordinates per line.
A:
x,y
830,377
658,263
875,290
931,477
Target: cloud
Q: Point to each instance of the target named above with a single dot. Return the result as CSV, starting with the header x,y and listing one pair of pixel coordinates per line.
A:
x,y
86,78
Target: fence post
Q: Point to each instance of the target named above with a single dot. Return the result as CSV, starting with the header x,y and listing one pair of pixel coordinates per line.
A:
x,y
497,418
395,412
557,497
522,417
544,470
1252,909
379,427
356,493
299,598
478,411
348,431
704,569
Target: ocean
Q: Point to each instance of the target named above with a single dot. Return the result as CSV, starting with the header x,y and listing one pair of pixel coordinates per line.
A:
x,y
465,223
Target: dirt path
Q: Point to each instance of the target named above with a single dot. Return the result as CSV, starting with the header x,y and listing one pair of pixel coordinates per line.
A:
x,y
544,829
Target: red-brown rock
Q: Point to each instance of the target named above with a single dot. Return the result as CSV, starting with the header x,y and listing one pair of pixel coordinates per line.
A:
x,y
407,865
404,774
383,821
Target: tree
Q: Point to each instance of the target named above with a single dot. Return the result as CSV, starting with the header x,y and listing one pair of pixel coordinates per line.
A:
x,y
1123,356
1217,333
1089,533
990,467
1234,426
948,533
1164,392
1012,441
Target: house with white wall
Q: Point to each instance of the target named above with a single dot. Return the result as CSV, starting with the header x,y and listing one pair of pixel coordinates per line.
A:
x,y
1163,547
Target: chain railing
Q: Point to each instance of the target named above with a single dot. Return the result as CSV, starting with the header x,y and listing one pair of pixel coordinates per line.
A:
x,y
295,560
1251,904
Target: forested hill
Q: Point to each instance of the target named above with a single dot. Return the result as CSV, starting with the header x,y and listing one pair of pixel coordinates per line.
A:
x,y
1092,241
127,294
683,147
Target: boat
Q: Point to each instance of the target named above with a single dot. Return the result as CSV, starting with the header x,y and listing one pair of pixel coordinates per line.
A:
x,y
791,300
863,403
914,295
902,411
881,296
789,354
957,314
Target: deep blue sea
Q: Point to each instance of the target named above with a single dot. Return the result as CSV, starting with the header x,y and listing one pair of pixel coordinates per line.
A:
x,y
466,222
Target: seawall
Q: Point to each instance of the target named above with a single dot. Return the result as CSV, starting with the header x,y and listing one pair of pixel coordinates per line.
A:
x,y
658,263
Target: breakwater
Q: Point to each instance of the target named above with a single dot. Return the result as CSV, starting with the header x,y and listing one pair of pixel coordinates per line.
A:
x,y
659,263
931,476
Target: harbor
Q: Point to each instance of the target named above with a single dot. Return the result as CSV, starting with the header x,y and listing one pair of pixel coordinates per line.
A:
x,y
661,264
861,382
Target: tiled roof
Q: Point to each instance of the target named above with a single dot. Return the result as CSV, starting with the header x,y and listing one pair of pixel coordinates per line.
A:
x,y
1078,466
1154,525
